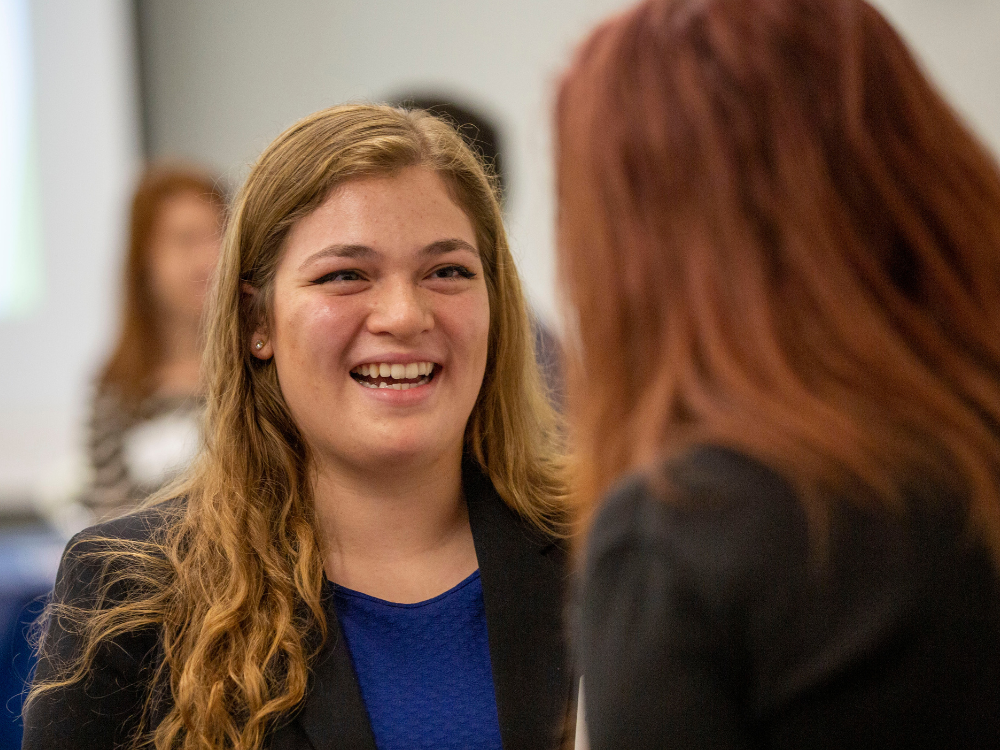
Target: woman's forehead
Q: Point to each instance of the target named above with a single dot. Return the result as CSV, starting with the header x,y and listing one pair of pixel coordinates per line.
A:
x,y
409,210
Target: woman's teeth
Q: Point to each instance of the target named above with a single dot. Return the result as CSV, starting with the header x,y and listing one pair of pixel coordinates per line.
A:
x,y
396,376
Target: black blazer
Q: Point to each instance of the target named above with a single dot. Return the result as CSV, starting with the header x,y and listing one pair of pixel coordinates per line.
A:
x,y
712,620
523,573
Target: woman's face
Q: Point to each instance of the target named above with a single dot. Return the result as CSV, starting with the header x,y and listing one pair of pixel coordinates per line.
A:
x,y
184,246
379,323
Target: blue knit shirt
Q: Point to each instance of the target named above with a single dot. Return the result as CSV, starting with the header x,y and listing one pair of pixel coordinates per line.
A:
x,y
424,668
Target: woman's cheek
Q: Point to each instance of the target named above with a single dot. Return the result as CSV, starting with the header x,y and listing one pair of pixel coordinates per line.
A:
x,y
469,320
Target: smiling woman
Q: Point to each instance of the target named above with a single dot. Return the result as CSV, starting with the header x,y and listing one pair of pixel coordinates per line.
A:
x,y
384,272
366,552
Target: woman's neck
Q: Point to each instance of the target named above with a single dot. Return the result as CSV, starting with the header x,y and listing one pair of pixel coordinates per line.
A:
x,y
402,535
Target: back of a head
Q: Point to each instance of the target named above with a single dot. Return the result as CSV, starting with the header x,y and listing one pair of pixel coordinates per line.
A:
x,y
777,235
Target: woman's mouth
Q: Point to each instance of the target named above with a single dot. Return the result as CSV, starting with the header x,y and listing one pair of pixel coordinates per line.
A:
x,y
397,376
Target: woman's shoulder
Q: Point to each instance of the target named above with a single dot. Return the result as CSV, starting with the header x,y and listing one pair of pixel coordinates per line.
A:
x,y
105,567
115,549
141,526
711,501
724,500
724,524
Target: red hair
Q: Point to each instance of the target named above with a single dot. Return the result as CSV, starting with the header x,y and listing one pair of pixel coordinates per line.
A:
x,y
133,362
776,236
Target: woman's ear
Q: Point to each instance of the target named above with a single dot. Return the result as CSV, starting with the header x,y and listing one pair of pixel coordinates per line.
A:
x,y
260,342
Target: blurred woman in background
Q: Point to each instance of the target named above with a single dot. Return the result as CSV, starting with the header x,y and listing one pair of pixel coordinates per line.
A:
x,y
145,413
365,553
782,253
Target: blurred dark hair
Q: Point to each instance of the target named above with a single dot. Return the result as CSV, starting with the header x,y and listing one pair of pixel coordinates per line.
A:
x,y
477,128
138,350
776,235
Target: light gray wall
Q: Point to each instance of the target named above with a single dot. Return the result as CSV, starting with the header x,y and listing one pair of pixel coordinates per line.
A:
x,y
87,127
225,77
958,43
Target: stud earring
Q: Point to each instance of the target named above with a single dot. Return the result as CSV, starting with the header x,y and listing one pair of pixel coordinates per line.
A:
x,y
259,345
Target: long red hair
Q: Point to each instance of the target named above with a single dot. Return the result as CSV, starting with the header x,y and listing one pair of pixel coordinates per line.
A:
x,y
775,235
136,355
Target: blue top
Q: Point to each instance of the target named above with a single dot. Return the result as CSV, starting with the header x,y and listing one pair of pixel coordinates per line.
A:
x,y
424,668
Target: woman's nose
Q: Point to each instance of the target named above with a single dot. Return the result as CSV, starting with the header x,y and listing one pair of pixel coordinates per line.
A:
x,y
400,310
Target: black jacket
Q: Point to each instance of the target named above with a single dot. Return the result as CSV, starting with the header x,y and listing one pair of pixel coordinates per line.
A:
x,y
523,576
711,619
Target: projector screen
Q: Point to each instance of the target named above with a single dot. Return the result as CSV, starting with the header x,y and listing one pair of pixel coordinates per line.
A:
x,y
20,220
69,152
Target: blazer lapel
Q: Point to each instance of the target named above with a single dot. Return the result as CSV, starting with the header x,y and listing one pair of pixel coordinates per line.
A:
x,y
333,715
524,580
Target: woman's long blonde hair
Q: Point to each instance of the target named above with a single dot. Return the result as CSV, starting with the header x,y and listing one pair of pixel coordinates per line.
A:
x,y
234,582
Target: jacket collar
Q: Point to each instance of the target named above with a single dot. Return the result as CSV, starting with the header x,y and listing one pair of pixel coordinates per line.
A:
x,y
523,575
524,580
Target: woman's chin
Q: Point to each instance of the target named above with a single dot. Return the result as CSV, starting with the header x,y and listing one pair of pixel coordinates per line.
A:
x,y
403,455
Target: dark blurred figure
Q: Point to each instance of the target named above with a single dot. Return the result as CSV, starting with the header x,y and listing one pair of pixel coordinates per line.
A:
x,y
483,134
477,128
144,417
782,250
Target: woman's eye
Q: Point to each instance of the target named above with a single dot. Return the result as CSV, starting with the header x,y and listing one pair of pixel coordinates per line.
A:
x,y
339,276
453,272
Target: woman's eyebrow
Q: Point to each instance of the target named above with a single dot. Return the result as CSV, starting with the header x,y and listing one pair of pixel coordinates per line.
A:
x,y
446,246
339,251
355,252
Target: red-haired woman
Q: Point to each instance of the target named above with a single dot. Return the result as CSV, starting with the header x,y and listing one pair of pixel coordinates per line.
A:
x,y
782,254
144,416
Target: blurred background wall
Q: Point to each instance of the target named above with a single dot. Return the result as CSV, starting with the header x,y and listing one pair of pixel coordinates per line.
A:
x,y
81,152
223,78
216,80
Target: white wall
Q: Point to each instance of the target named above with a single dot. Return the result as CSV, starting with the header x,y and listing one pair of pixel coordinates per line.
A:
x,y
958,43
225,77
87,120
